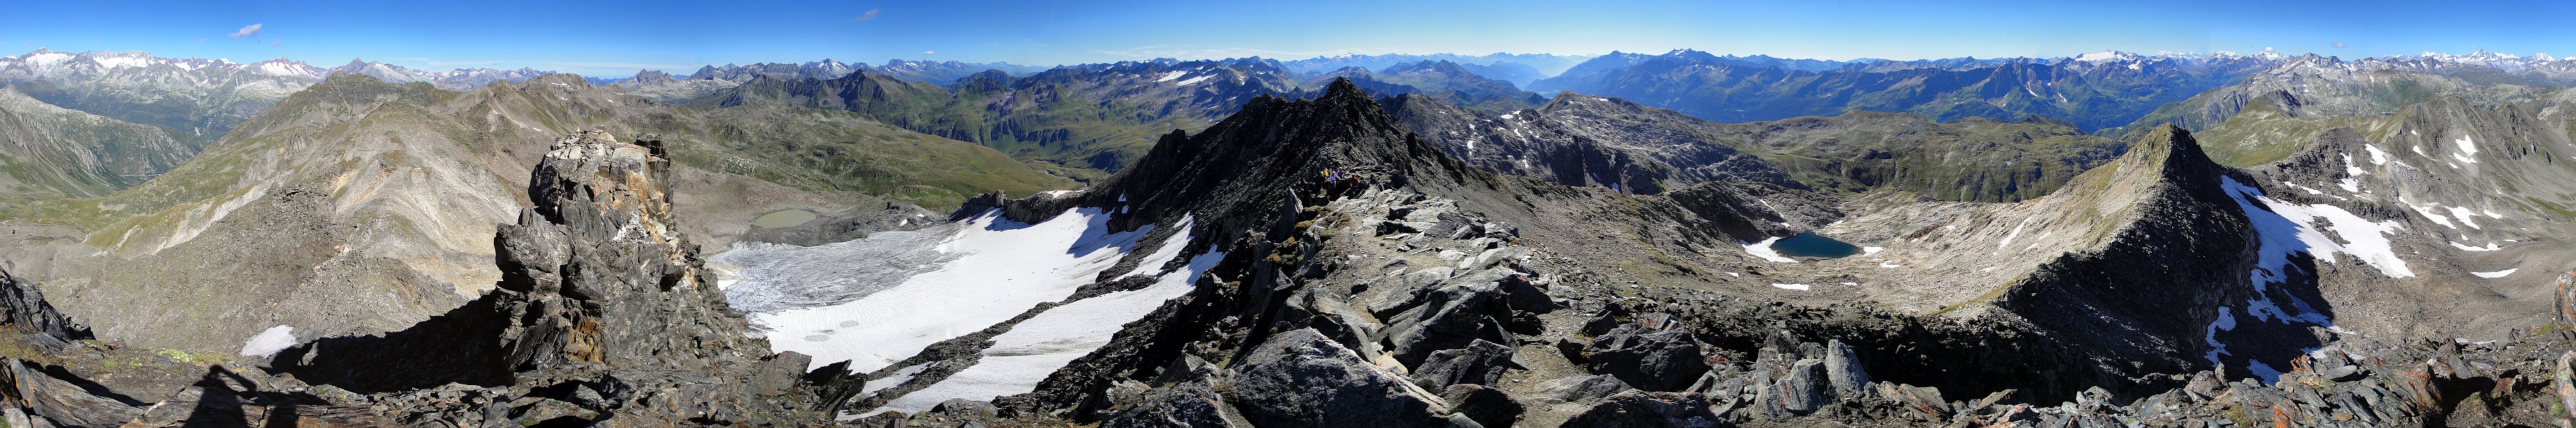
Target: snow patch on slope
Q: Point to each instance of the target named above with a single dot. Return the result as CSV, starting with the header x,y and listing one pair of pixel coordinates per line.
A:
x,y
1039,346
1763,250
268,343
2287,228
1007,267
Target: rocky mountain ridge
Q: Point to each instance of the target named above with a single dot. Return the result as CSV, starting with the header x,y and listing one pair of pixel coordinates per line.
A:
x,y
1408,289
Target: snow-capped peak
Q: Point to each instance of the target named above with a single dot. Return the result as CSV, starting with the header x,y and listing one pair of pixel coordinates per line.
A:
x,y
283,67
2106,56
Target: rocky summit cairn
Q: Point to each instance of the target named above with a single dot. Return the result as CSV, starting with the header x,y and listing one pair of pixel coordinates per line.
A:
x,y
603,313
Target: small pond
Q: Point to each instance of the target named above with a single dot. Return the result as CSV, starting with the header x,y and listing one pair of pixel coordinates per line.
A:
x,y
1812,245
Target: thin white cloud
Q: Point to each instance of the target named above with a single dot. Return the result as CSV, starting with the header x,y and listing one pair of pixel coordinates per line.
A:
x,y
929,52
247,32
868,15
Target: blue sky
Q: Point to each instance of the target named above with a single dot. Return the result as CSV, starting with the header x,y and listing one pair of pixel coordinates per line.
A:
x,y
616,38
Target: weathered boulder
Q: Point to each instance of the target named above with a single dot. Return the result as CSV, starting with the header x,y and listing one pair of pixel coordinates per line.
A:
x,y
1526,296
1652,359
1484,404
1301,378
1480,363
1641,409
1450,318
1843,370
1581,388
1800,390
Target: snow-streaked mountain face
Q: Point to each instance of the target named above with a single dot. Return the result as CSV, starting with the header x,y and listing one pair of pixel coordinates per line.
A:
x,y
194,98
462,79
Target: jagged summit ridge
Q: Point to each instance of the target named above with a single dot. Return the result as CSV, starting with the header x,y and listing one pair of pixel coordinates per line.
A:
x,y
1274,143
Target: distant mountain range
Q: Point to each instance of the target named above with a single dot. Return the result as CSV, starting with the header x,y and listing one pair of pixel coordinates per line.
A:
x,y
2093,91
453,80
661,86
1095,116
1520,69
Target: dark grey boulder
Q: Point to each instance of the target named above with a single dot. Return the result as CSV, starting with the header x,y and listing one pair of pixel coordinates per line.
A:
x,y
1650,359
1581,388
1641,409
1184,369
1843,370
1525,295
1450,318
1484,404
1480,363
1799,391
1301,378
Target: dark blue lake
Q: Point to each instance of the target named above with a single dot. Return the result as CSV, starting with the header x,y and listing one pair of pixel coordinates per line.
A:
x,y
1812,245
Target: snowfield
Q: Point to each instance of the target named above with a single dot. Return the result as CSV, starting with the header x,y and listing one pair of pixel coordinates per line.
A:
x,y
982,272
2286,228
878,300
1039,346
268,343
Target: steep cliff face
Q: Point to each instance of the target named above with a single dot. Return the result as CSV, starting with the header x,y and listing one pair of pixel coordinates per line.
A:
x,y
602,306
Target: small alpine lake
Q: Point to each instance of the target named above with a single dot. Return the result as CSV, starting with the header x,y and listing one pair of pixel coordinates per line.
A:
x,y
1809,244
